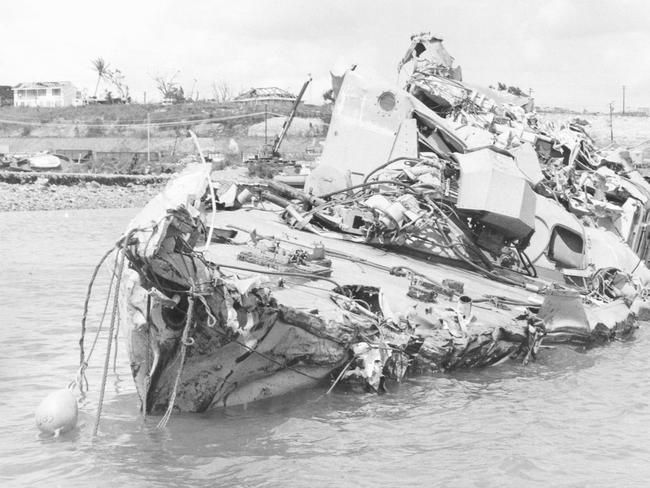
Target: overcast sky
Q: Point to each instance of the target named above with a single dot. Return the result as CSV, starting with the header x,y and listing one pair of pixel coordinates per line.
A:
x,y
571,53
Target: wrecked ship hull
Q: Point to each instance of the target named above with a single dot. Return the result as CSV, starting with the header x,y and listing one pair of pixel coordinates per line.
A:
x,y
280,354
445,228
265,309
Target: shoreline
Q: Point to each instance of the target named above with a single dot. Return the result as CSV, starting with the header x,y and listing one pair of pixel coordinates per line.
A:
x,y
61,191
43,195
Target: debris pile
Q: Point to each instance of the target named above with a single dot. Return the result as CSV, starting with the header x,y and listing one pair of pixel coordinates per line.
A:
x,y
444,228
520,186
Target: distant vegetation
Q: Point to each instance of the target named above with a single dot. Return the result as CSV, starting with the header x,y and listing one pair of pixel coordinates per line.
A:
x,y
114,78
514,90
171,91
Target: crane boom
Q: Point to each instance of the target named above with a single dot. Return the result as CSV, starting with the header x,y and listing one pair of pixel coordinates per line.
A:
x,y
287,123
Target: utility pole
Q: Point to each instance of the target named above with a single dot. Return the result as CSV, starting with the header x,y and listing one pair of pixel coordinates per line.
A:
x,y
623,99
611,122
145,97
148,138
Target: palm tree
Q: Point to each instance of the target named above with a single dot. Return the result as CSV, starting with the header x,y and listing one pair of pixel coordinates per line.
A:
x,y
101,67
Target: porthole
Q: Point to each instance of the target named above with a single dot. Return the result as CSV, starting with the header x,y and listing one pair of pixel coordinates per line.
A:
x,y
387,101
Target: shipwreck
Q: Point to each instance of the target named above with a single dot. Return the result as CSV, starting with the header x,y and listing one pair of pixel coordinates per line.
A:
x,y
446,227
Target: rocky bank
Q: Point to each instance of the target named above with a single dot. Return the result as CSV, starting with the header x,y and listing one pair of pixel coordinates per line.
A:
x,y
42,195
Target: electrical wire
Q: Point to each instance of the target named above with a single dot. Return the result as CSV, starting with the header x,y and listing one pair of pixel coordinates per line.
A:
x,y
171,117
371,183
395,160
139,124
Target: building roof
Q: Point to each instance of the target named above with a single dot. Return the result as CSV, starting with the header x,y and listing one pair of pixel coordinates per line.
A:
x,y
269,93
34,85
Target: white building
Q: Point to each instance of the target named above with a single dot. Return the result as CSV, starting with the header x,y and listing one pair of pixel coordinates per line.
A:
x,y
46,94
274,98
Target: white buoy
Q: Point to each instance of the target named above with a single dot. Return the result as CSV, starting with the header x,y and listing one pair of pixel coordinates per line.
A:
x,y
57,413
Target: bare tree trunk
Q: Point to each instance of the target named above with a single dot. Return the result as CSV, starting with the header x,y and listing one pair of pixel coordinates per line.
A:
x,y
99,78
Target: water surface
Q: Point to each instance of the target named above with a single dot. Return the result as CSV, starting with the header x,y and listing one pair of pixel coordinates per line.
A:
x,y
571,419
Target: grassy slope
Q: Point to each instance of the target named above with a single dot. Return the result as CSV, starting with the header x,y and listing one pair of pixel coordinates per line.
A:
x,y
137,113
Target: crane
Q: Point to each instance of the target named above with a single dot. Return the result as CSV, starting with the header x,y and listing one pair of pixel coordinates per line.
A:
x,y
271,153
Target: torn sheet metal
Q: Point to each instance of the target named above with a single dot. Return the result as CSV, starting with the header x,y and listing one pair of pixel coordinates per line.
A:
x,y
383,116
492,186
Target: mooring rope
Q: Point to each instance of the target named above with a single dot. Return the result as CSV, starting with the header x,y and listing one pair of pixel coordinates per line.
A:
x,y
340,375
81,378
111,330
184,343
115,339
147,378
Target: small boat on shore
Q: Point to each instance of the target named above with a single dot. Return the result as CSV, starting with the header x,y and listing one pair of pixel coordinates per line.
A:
x,y
44,162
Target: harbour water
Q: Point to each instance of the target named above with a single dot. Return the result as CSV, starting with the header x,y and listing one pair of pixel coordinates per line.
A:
x,y
570,419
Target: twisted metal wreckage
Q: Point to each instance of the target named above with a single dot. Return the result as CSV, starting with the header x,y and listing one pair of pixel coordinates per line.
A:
x,y
446,227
